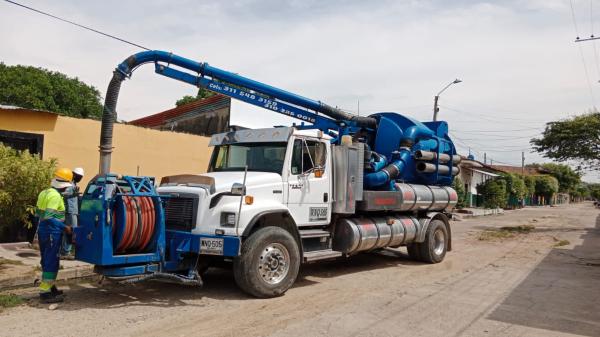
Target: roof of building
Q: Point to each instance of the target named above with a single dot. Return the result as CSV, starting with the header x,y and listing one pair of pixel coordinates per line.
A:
x,y
488,173
528,170
184,111
14,107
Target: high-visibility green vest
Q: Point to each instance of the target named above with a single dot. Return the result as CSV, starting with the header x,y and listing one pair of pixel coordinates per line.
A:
x,y
50,204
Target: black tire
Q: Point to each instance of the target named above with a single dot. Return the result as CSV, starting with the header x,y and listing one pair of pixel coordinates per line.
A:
x,y
271,278
435,246
414,252
202,268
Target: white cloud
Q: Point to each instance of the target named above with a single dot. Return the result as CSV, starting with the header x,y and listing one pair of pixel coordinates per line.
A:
x,y
517,59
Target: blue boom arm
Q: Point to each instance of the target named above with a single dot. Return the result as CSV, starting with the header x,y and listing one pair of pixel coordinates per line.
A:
x,y
245,89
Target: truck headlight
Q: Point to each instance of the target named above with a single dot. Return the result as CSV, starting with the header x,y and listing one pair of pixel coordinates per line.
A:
x,y
228,219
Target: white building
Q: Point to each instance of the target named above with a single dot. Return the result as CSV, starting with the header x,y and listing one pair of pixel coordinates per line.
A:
x,y
473,173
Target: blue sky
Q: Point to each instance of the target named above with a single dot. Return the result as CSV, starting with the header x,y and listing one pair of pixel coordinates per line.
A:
x,y
517,59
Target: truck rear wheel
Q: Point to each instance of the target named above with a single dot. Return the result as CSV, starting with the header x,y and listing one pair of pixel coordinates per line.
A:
x,y
414,251
268,263
433,249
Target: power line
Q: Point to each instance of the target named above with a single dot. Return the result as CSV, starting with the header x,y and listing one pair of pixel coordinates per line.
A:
x,y
496,131
574,19
585,68
76,24
594,42
501,138
486,116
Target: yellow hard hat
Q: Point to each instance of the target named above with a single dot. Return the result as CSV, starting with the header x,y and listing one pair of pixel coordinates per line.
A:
x,y
63,174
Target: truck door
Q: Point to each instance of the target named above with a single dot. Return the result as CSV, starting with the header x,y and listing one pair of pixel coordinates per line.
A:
x,y
309,193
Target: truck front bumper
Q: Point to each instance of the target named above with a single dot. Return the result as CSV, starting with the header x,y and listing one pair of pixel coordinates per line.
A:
x,y
185,242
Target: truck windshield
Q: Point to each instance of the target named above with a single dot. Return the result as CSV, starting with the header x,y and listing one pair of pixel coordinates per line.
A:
x,y
263,157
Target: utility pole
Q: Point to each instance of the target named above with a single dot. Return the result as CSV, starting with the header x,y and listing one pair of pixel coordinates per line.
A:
x,y
485,158
437,97
523,173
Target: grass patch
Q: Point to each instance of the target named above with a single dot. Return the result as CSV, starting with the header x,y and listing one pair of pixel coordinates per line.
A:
x,y
489,235
9,301
505,232
561,243
518,229
5,261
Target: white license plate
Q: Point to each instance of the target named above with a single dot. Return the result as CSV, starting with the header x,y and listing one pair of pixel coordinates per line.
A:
x,y
211,246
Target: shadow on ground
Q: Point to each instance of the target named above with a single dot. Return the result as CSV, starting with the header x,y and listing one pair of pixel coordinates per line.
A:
x,y
562,293
218,284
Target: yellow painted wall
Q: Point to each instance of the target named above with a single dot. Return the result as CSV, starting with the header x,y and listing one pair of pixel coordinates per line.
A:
x,y
74,142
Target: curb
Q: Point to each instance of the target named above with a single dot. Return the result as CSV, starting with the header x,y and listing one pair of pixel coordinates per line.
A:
x,y
15,245
484,212
64,275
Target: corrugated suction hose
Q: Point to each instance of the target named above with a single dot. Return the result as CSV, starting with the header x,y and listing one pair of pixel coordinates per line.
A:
x,y
109,115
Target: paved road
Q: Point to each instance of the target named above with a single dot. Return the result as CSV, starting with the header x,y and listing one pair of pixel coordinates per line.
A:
x,y
520,286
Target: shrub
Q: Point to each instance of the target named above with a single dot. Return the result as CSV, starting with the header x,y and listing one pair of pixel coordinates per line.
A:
x,y
493,192
458,185
546,186
22,177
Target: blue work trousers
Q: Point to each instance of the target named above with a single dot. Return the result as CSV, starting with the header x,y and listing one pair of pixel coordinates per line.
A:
x,y
50,242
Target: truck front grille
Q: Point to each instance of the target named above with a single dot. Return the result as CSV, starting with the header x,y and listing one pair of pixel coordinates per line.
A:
x,y
180,213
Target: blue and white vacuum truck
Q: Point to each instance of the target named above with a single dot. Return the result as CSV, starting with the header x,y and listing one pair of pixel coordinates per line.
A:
x,y
272,199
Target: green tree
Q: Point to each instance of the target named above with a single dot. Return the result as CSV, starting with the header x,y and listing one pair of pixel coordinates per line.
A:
x,y
546,186
202,94
594,191
576,138
515,185
459,187
22,177
493,192
568,179
37,88
581,191
529,185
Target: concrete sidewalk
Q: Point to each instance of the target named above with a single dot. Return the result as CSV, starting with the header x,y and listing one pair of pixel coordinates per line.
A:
x,y
20,266
475,212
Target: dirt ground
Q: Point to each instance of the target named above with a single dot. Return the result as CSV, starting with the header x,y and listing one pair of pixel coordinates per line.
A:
x,y
518,284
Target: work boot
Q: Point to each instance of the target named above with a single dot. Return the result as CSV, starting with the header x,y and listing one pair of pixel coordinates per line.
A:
x,y
50,297
55,291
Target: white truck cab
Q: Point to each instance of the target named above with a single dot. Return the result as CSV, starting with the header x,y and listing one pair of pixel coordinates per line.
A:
x,y
285,170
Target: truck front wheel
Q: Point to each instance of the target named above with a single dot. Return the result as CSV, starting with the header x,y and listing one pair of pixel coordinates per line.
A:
x,y
268,263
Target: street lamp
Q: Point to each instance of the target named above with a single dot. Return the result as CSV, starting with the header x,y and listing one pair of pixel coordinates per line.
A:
x,y
435,101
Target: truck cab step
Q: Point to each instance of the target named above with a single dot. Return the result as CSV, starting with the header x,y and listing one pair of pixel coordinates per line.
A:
x,y
313,233
318,255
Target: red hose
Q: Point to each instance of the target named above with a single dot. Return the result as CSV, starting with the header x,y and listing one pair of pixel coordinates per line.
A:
x,y
139,225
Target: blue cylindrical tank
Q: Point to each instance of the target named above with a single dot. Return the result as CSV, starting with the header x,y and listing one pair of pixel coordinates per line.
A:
x,y
397,138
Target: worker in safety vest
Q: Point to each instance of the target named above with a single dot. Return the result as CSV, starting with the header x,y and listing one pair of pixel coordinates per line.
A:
x,y
71,196
51,213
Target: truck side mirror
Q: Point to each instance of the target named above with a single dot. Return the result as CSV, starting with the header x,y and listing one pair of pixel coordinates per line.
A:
x,y
238,189
319,172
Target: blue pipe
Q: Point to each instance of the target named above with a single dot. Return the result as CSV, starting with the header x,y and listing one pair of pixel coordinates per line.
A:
x,y
411,136
415,132
388,173
380,162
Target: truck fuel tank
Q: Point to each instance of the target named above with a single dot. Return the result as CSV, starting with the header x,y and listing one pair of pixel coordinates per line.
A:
x,y
353,235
